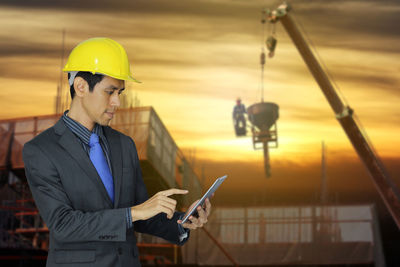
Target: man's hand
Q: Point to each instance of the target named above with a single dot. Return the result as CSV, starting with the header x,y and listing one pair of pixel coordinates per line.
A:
x,y
158,203
201,220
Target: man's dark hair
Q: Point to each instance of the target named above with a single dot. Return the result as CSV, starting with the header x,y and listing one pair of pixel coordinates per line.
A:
x,y
91,79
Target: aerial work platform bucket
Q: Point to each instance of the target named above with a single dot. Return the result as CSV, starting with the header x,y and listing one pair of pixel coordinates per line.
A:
x,y
263,117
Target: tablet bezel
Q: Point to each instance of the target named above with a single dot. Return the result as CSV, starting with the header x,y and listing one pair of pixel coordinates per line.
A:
x,y
208,194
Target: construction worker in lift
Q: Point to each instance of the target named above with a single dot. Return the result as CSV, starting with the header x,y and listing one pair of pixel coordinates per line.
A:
x,y
238,117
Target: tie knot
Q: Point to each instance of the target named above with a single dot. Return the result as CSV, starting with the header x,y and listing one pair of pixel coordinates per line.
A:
x,y
94,139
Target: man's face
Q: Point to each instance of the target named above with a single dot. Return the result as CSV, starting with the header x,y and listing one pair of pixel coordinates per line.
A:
x,y
101,104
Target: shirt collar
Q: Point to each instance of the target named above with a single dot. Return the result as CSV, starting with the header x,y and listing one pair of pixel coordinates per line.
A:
x,y
81,131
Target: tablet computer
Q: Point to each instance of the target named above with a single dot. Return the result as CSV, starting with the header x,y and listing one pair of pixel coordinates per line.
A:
x,y
208,194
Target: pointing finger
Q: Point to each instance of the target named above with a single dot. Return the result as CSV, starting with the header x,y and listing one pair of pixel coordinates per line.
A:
x,y
173,191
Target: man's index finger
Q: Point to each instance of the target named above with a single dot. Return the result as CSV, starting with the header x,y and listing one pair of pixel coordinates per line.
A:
x,y
174,191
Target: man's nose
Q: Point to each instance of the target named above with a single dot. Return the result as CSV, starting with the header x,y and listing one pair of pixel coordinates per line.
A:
x,y
115,102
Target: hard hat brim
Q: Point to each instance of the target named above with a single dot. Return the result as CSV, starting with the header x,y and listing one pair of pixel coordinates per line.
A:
x,y
124,78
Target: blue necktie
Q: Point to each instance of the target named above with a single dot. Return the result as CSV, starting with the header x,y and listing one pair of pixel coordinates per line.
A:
x,y
99,161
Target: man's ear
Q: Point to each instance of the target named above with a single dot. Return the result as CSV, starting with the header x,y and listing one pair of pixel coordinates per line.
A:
x,y
81,86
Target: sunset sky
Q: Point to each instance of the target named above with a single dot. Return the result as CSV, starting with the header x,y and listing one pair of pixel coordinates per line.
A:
x,y
196,57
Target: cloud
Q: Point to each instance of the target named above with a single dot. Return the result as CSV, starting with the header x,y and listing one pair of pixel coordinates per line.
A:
x,y
357,17
32,68
196,57
369,78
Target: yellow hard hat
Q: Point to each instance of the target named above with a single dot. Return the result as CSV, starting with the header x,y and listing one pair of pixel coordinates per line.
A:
x,y
101,56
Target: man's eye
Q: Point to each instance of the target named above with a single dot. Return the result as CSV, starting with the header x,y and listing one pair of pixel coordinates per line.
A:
x,y
110,92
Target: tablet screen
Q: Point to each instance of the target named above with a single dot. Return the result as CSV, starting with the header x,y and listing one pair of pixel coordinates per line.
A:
x,y
208,194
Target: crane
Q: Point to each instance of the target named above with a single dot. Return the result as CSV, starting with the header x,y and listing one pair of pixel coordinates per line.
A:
x,y
344,114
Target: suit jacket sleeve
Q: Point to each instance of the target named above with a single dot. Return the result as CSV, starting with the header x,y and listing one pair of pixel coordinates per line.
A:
x,y
158,225
66,223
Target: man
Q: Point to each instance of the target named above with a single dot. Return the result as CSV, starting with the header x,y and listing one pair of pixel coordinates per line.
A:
x,y
238,117
85,177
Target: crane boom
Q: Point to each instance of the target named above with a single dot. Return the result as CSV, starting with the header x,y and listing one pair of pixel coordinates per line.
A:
x,y
344,114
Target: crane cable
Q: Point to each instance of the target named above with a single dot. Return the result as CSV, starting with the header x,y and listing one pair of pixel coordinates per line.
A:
x,y
262,55
260,91
270,43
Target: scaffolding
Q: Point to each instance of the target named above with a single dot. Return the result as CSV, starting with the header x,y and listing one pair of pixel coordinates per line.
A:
x,y
292,236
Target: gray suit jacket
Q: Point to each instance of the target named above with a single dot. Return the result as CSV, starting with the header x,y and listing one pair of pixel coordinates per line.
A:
x,y
86,229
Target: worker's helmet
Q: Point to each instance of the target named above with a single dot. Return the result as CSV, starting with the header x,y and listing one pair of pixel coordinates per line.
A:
x,y
100,56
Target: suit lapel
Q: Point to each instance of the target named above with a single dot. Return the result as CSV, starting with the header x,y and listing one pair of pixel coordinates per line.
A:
x,y
71,144
116,161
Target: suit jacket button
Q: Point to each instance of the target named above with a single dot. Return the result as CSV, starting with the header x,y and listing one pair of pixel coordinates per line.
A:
x,y
120,251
